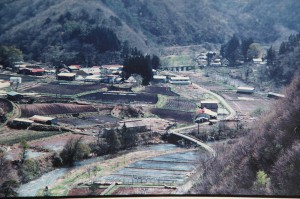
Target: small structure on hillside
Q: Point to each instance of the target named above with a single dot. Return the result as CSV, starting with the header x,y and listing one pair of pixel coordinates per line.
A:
x,y
14,96
275,95
44,119
179,80
74,68
159,79
178,68
15,80
135,125
210,104
206,113
21,123
66,76
246,90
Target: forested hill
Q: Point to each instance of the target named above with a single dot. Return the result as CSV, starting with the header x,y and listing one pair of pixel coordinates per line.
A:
x,y
266,161
49,28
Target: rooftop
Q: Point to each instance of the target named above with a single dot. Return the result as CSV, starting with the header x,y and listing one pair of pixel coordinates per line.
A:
x,y
67,74
41,118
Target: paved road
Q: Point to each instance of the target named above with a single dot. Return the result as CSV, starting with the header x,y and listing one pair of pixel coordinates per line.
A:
x,y
198,142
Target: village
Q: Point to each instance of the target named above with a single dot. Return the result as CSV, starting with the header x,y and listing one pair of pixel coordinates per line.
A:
x,y
46,107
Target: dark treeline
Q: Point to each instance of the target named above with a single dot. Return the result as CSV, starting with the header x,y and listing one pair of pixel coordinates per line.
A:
x,y
266,161
137,63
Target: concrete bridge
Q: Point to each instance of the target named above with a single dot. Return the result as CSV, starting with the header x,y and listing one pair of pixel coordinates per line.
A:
x,y
196,141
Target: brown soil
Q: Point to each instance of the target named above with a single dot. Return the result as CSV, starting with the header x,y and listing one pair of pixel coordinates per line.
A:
x,y
142,191
121,111
29,110
84,191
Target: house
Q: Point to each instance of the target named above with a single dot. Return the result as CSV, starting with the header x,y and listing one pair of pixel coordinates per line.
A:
x,y
210,104
66,76
159,79
93,78
15,80
92,71
245,90
74,68
178,68
179,80
111,69
257,60
21,122
275,95
31,69
14,96
135,125
206,113
44,119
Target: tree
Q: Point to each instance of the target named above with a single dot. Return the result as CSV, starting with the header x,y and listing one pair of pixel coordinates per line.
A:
x,y
128,137
138,64
9,55
230,50
271,56
155,62
7,189
74,150
209,57
254,51
245,47
24,145
113,141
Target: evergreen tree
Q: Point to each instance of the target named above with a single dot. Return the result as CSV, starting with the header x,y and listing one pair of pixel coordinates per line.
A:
x,y
245,44
230,51
113,141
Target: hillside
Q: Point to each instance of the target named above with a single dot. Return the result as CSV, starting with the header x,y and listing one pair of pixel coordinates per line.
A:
x,y
56,28
266,161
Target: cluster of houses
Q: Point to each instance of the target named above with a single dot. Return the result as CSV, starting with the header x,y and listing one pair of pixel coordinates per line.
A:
x,y
104,73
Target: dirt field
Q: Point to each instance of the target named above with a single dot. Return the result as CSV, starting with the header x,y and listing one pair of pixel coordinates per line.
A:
x,y
180,104
246,103
174,115
57,143
159,90
89,120
125,98
142,191
64,89
29,110
85,191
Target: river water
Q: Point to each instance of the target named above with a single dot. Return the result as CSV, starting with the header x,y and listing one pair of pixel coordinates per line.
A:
x,y
169,168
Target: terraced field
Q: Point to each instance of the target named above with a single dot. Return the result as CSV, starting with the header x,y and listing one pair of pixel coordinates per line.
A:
x,y
64,89
29,110
180,104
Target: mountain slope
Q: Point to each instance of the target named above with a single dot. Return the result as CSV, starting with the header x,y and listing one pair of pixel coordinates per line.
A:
x,y
145,24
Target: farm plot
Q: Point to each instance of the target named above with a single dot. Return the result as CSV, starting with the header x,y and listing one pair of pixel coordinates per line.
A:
x,y
247,103
179,116
142,191
57,142
180,104
84,191
160,90
89,121
65,89
157,170
124,98
29,110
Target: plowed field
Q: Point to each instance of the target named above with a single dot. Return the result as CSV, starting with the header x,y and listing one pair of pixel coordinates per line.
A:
x,y
179,116
64,89
29,110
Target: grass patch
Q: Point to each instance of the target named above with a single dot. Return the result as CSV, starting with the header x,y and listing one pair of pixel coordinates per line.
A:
x,y
162,100
34,135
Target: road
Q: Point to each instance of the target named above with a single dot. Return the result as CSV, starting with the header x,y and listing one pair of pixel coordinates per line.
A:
x,y
198,142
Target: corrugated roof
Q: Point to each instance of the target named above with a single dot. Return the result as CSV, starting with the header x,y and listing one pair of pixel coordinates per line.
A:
x,y
209,102
13,93
67,74
41,118
22,120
